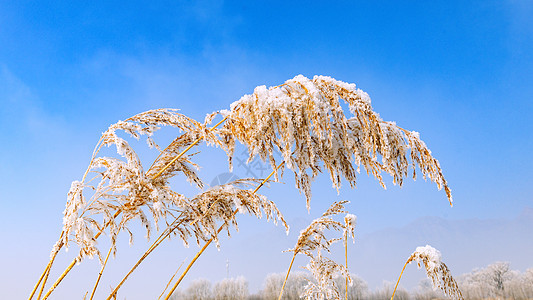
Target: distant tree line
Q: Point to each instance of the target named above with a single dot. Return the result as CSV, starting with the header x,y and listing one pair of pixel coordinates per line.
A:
x,y
496,281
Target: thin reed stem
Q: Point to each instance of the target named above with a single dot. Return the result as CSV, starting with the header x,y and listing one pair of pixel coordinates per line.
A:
x,y
40,280
170,281
397,282
287,276
58,281
212,239
44,281
46,274
101,272
346,259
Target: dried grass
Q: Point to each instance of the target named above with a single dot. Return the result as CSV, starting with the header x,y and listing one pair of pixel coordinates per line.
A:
x,y
303,119
436,270
324,271
313,238
121,184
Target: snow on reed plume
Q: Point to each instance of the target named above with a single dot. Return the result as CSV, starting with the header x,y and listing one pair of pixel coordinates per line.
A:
x,y
304,120
436,270
349,227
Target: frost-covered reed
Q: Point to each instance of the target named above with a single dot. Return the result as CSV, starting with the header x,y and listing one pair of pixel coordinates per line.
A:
x,y
324,272
436,270
303,119
121,185
312,241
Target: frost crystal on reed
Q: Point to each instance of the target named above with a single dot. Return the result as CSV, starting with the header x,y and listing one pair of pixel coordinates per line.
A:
x,y
429,255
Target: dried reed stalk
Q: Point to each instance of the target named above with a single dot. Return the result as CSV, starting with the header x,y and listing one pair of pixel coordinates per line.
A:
x,y
349,229
61,277
192,262
218,231
152,247
46,272
45,275
313,237
287,276
346,266
436,270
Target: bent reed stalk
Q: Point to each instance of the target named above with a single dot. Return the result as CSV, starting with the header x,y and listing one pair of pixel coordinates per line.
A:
x,y
398,281
436,270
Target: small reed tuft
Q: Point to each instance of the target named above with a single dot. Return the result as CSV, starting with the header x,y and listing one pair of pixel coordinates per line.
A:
x,y
436,270
313,238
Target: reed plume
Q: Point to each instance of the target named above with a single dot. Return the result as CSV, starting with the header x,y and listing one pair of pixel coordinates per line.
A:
x,y
304,120
120,184
219,204
436,270
314,238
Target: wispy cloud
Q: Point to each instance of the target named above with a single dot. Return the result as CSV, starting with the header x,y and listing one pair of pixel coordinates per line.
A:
x,y
22,111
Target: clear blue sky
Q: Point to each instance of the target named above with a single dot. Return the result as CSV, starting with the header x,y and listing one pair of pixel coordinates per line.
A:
x,y
458,72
